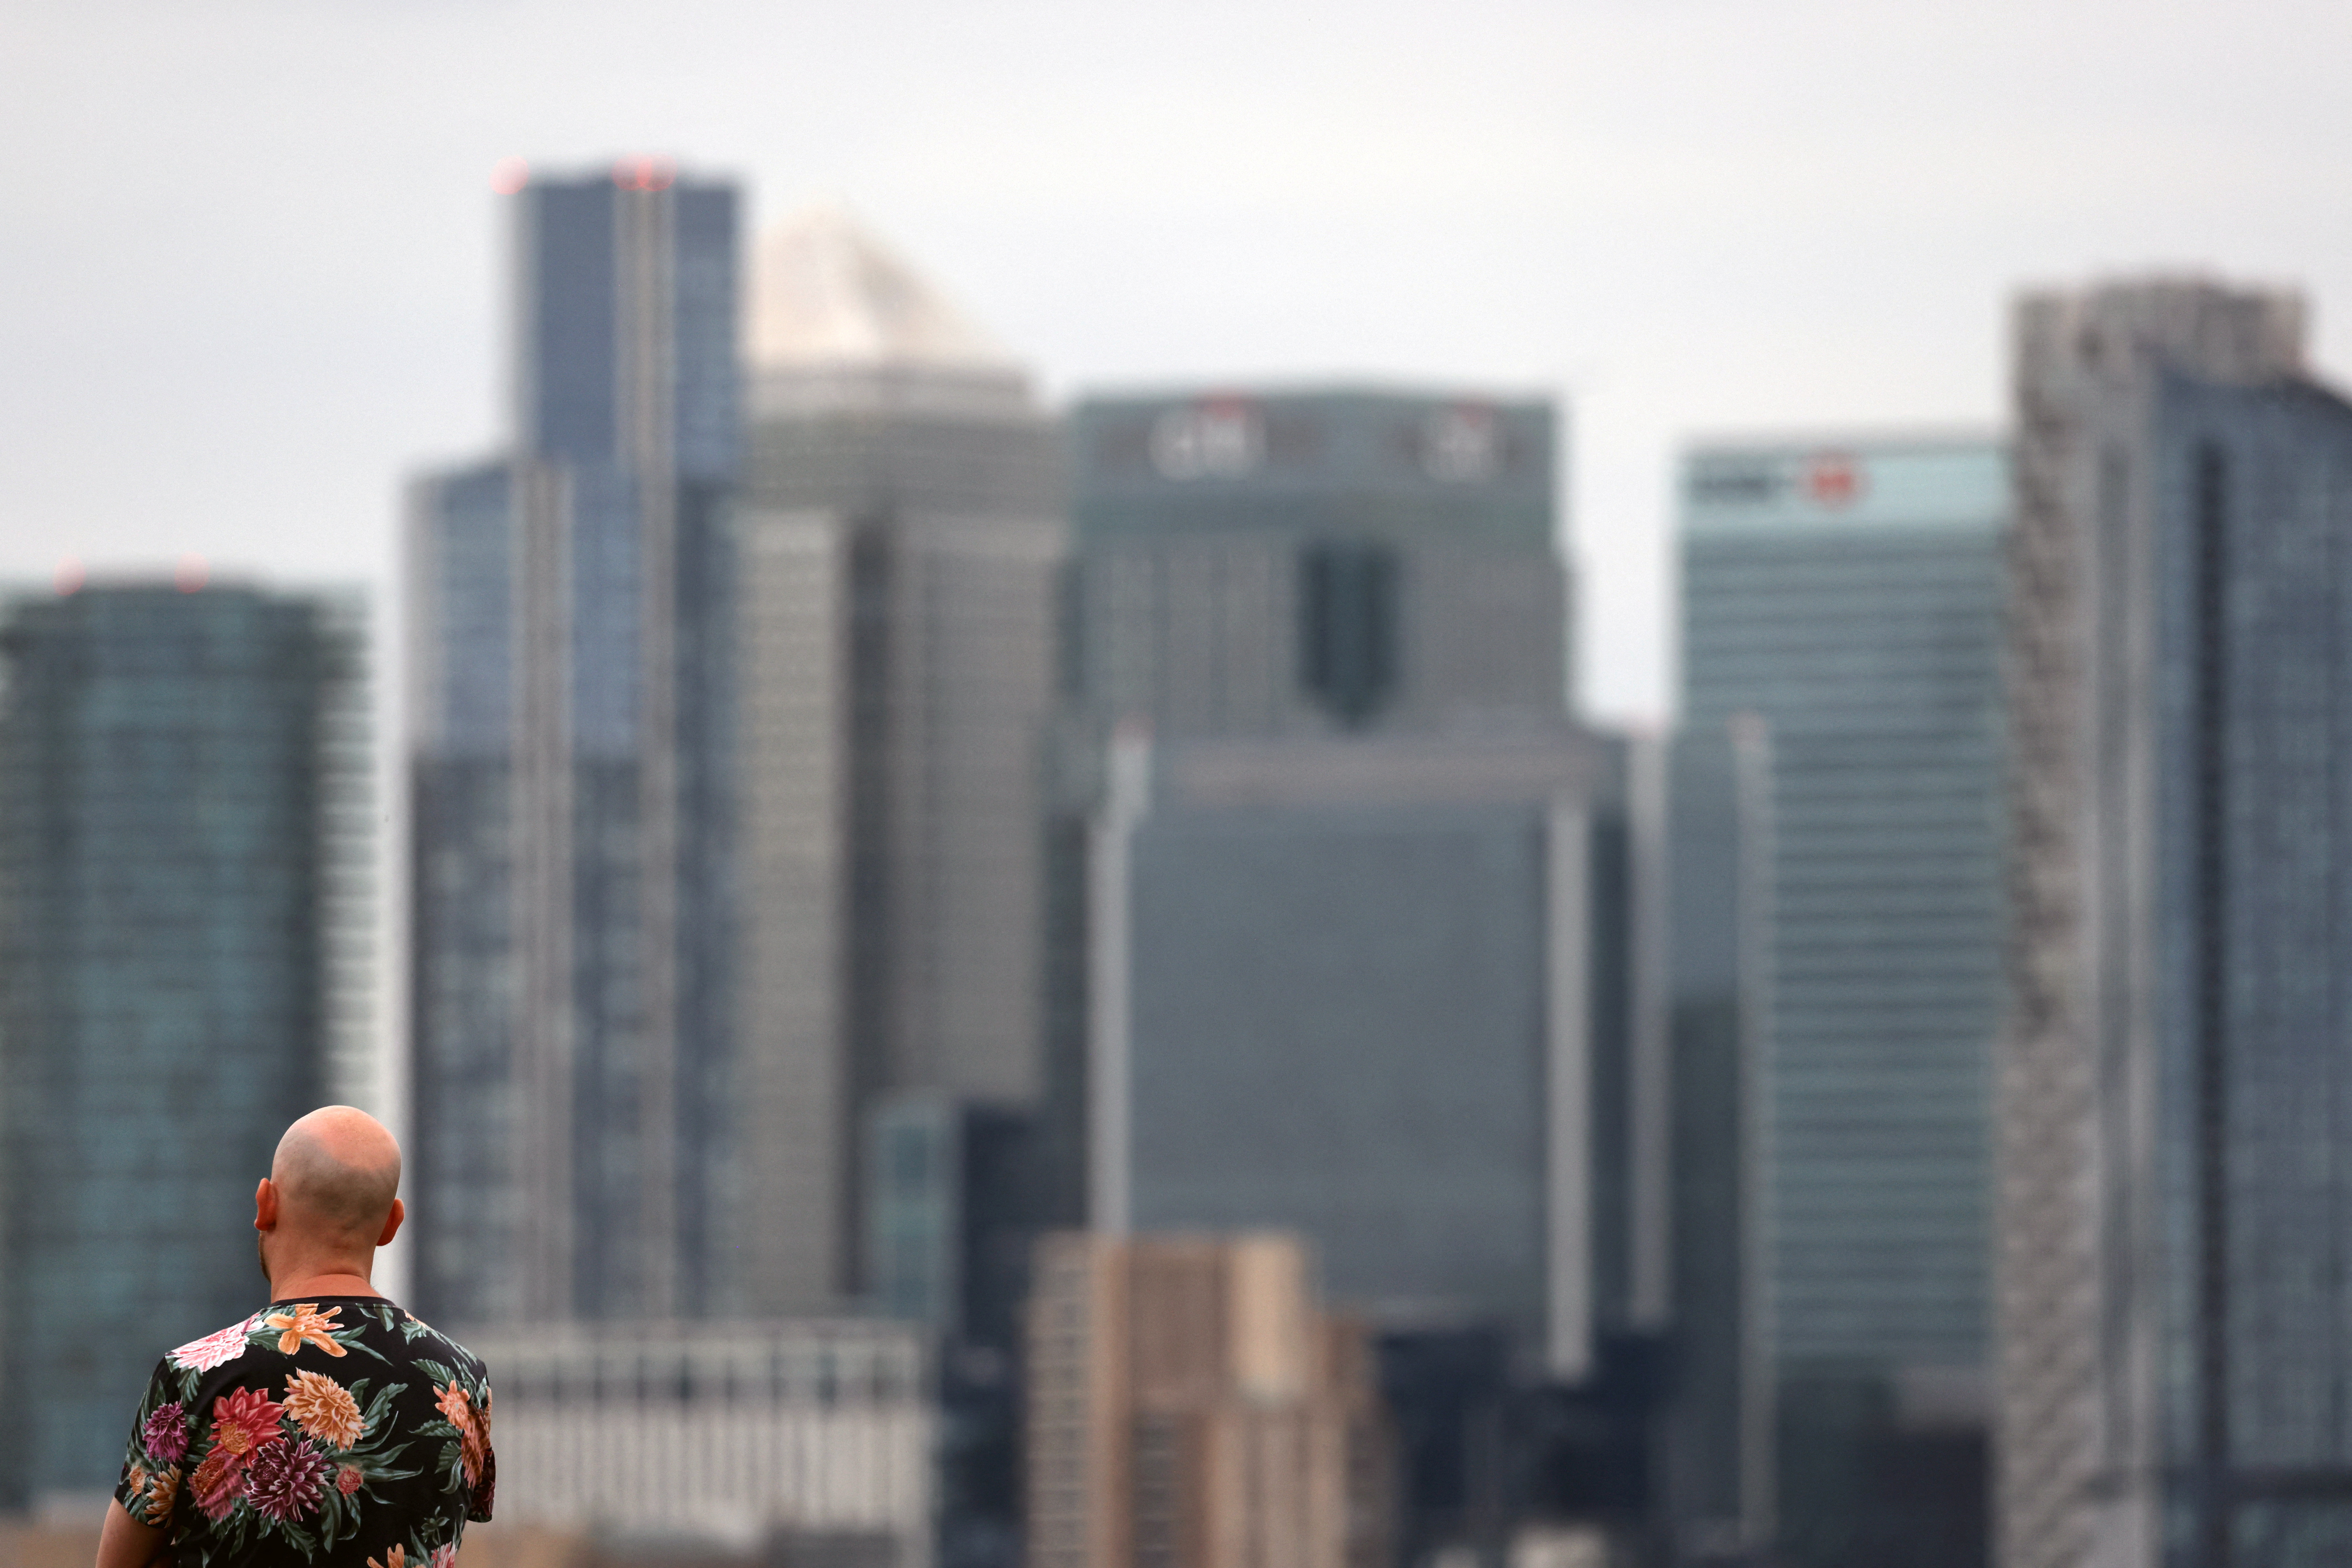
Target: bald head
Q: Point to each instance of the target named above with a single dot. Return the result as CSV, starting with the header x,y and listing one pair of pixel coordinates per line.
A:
x,y
336,1172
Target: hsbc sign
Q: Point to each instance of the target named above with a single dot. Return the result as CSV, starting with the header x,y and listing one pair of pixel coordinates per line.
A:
x,y
1832,480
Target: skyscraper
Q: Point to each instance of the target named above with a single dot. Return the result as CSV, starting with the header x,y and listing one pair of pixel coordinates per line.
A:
x,y
570,716
1710,942
1357,933
901,542
183,916
1326,629
1362,990
2174,1098
1316,561
1848,595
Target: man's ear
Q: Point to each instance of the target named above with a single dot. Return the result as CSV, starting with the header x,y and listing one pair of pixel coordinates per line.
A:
x,y
392,1224
264,1206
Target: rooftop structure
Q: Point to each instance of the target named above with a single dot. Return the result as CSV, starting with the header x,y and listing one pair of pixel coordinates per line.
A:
x,y
841,321
1297,562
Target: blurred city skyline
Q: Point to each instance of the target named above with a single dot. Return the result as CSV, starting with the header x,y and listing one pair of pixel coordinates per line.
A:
x,y
252,259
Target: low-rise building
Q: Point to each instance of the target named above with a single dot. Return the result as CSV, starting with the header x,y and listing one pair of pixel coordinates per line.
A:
x,y
785,1432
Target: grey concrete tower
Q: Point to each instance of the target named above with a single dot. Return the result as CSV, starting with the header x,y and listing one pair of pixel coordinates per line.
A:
x,y
902,533
1324,560
2174,1095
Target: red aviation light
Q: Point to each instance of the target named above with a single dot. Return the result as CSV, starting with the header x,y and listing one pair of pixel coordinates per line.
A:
x,y
645,173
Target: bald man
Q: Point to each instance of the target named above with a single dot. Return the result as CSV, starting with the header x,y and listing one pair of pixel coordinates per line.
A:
x,y
331,1429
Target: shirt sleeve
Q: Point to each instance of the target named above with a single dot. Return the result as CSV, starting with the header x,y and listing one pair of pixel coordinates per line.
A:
x,y
150,1483
486,1491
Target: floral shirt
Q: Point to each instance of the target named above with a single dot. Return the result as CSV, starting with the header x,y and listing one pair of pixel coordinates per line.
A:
x,y
341,1432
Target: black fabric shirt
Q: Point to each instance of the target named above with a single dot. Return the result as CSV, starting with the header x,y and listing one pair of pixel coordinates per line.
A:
x,y
326,1433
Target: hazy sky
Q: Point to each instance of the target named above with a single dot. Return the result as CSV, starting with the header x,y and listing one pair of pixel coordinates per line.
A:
x,y
249,254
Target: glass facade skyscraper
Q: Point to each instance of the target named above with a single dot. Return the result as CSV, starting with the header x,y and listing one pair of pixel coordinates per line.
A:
x,y
1848,595
183,914
1355,932
1368,996
1352,886
571,706
2175,1097
1316,561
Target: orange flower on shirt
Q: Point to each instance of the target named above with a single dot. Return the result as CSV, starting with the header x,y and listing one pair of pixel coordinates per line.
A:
x,y
324,1409
304,1325
392,1559
163,1492
458,1406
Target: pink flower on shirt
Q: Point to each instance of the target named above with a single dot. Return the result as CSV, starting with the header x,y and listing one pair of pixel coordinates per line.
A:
x,y
217,1349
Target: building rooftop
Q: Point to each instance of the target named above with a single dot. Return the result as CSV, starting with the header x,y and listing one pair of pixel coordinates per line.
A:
x,y
1868,483
827,292
840,321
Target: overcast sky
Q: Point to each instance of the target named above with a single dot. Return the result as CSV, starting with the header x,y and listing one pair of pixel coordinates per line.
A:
x,y
248,251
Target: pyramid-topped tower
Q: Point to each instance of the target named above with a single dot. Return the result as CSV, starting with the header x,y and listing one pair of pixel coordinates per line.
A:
x,y
899,536
839,320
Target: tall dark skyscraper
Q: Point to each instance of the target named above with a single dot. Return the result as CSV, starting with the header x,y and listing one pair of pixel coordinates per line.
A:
x,y
1358,933
183,916
1848,595
1709,937
570,718
1323,635
1372,991
2176,1078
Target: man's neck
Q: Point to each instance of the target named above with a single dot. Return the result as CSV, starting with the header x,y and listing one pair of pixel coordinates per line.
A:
x,y
310,1283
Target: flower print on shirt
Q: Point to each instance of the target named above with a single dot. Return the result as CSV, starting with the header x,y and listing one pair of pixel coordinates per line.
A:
x,y
217,1349
314,1435
304,1324
165,1433
286,1480
324,1409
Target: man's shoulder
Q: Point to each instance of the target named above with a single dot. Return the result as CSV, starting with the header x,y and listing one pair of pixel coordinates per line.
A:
x,y
426,1341
217,1349
398,1334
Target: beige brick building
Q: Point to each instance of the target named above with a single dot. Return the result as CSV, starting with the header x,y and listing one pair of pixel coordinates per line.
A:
x,y
1191,1406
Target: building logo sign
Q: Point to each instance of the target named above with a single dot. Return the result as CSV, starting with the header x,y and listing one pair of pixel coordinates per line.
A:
x,y
1462,444
1833,480
1828,480
1222,438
